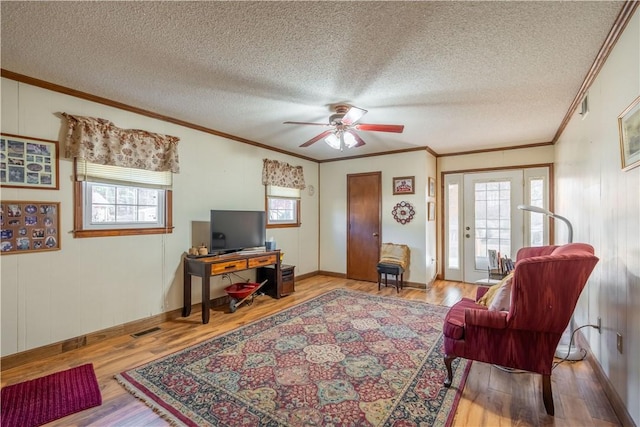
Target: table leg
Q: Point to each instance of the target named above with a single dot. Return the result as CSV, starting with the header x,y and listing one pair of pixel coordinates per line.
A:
x,y
206,297
186,296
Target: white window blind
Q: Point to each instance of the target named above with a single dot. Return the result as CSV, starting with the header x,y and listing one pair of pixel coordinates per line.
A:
x,y
86,171
283,192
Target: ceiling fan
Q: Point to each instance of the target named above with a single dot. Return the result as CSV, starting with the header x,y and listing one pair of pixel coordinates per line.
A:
x,y
344,123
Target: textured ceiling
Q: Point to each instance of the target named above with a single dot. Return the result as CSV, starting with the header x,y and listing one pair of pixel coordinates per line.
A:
x,y
460,76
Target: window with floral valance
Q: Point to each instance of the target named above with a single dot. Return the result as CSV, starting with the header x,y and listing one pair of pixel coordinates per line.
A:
x,y
123,178
283,183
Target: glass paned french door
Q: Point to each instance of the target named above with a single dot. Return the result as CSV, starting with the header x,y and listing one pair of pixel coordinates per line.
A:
x,y
491,220
481,215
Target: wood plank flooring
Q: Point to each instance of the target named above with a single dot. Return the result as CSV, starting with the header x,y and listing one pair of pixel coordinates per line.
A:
x,y
491,397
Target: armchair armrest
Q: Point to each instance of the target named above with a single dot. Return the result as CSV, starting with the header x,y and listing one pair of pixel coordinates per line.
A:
x,y
485,318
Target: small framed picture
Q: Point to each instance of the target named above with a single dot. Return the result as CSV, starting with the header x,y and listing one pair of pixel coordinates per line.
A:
x,y
28,162
432,187
431,211
404,185
629,127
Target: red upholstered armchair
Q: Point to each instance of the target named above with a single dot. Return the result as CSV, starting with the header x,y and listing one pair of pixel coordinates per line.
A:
x,y
547,282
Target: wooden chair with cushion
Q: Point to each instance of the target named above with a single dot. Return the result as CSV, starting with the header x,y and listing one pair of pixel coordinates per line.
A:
x,y
524,332
394,260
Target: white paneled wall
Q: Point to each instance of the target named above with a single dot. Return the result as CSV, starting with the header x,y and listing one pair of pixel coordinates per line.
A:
x,y
603,203
418,234
96,283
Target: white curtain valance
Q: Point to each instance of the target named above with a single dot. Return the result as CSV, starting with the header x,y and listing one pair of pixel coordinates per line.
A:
x,y
99,141
282,174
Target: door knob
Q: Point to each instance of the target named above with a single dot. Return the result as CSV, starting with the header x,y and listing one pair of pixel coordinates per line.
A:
x,y
375,234
467,235
467,228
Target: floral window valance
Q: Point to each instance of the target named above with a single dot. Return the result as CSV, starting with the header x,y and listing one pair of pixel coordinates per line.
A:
x,y
282,174
100,141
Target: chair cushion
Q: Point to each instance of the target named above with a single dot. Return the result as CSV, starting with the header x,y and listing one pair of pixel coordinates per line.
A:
x,y
454,320
391,253
489,296
389,268
502,298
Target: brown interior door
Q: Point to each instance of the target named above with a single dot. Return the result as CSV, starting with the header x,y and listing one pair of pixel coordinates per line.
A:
x,y
364,201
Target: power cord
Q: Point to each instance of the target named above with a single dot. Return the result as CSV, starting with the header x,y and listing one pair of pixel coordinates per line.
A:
x,y
564,359
582,350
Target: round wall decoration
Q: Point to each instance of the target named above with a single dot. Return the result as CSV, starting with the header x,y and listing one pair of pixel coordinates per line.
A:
x,y
403,212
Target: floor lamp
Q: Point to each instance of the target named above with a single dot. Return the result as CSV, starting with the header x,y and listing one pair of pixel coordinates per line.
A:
x,y
563,351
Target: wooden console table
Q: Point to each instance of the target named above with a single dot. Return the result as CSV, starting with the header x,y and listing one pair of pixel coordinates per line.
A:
x,y
208,266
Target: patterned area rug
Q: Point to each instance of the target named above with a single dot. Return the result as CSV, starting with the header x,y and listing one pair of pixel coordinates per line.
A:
x,y
344,358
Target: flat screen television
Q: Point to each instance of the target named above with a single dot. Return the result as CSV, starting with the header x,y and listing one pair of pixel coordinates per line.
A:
x,y
233,231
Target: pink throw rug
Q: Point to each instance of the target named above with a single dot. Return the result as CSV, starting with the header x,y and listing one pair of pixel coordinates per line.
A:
x,y
45,399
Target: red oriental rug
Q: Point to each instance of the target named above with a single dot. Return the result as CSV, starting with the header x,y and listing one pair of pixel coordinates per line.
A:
x,y
45,399
344,358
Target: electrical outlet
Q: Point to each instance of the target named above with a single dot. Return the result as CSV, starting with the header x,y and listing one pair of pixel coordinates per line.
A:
x,y
599,325
619,342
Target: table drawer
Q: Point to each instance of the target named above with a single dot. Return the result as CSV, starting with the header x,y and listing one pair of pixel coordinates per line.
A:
x,y
229,266
263,260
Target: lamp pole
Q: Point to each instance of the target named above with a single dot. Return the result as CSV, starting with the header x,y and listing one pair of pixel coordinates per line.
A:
x,y
563,351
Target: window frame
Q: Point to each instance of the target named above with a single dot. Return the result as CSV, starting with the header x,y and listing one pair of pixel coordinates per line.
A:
x,y
297,200
80,231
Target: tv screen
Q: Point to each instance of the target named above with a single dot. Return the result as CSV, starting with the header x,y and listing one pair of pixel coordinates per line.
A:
x,y
233,231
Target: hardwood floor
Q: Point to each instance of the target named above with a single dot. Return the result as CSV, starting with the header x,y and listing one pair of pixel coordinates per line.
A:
x,y
491,397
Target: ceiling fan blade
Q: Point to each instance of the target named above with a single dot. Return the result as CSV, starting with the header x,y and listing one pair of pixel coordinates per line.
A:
x,y
353,115
380,128
317,138
359,140
305,123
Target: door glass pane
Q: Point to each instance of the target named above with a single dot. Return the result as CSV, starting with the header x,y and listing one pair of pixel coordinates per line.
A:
x,y
453,220
536,225
492,220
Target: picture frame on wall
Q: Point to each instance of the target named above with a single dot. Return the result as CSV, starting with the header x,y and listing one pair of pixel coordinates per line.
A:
x,y
431,211
29,226
629,129
404,185
432,187
28,162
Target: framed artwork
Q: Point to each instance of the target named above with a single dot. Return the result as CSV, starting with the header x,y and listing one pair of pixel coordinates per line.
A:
x,y
28,162
432,187
629,128
29,226
404,185
431,211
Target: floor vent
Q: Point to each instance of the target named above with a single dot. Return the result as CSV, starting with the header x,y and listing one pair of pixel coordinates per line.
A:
x,y
142,333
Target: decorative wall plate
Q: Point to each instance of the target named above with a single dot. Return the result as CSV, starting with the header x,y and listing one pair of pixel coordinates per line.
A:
x,y
403,212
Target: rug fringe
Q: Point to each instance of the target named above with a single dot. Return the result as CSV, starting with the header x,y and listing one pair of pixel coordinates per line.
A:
x,y
138,394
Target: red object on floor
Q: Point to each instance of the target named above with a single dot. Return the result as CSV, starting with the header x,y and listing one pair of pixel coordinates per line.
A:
x,y
45,399
241,290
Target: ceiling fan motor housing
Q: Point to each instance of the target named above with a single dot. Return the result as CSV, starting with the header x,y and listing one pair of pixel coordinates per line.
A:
x,y
341,110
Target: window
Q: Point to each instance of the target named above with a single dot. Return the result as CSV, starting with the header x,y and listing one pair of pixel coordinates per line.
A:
x,y
536,220
113,201
109,205
536,193
283,207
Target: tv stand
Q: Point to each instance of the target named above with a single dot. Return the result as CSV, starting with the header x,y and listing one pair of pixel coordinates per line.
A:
x,y
215,265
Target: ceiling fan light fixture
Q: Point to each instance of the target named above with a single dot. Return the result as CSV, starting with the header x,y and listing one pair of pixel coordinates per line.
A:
x,y
339,140
349,140
333,141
